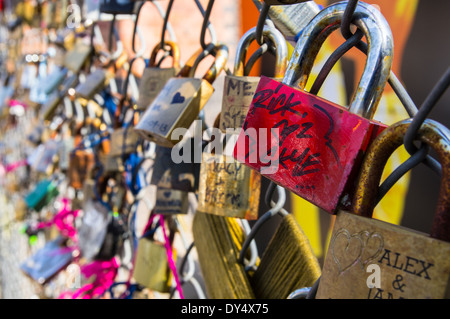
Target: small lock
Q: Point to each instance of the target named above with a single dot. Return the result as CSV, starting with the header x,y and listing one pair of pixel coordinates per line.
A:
x,y
312,146
155,78
44,192
50,107
240,88
93,84
76,58
181,100
171,202
123,141
408,264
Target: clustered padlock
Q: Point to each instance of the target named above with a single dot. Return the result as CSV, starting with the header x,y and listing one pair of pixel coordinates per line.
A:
x,y
311,145
180,101
228,187
155,78
408,264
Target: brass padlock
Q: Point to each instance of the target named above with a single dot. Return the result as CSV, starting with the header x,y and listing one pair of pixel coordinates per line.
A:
x,y
240,88
181,100
228,188
94,83
372,259
155,78
151,269
171,202
76,58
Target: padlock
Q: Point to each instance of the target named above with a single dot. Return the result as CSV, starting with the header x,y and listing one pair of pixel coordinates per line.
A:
x,y
80,166
372,259
307,144
240,88
155,78
117,6
49,109
50,83
44,192
182,176
76,58
124,139
181,100
151,268
228,188
95,81
100,78
171,202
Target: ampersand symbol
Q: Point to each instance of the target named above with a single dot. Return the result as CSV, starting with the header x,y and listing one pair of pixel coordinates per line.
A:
x,y
396,284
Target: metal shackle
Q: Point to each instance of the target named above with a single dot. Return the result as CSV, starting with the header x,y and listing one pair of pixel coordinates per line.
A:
x,y
174,52
379,56
220,53
432,133
275,37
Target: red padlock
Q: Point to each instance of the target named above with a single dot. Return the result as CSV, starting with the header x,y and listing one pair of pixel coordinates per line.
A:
x,y
308,144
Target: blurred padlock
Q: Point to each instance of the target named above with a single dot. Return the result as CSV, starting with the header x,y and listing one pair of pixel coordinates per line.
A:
x,y
152,269
76,58
80,166
180,102
171,202
307,144
372,259
155,78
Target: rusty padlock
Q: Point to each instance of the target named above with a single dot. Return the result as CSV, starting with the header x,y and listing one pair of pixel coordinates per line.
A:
x,y
155,78
309,145
181,100
408,264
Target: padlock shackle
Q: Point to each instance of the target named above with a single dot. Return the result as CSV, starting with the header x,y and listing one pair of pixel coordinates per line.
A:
x,y
174,52
220,53
434,134
379,57
275,37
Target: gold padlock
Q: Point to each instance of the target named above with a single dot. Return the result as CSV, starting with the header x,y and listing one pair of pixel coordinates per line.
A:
x,y
228,188
240,88
80,166
155,78
152,269
372,259
181,100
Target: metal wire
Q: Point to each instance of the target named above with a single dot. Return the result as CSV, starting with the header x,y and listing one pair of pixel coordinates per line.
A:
x,y
166,20
417,158
261,21
138,13
206,23
431,100
334,57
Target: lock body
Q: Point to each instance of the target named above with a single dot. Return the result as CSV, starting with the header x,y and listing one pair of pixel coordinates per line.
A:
x,y
152,82
80,166
177,106
411,265
228,188
123,141
76,58
171,202
152,268
237,97
94,83
310,146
